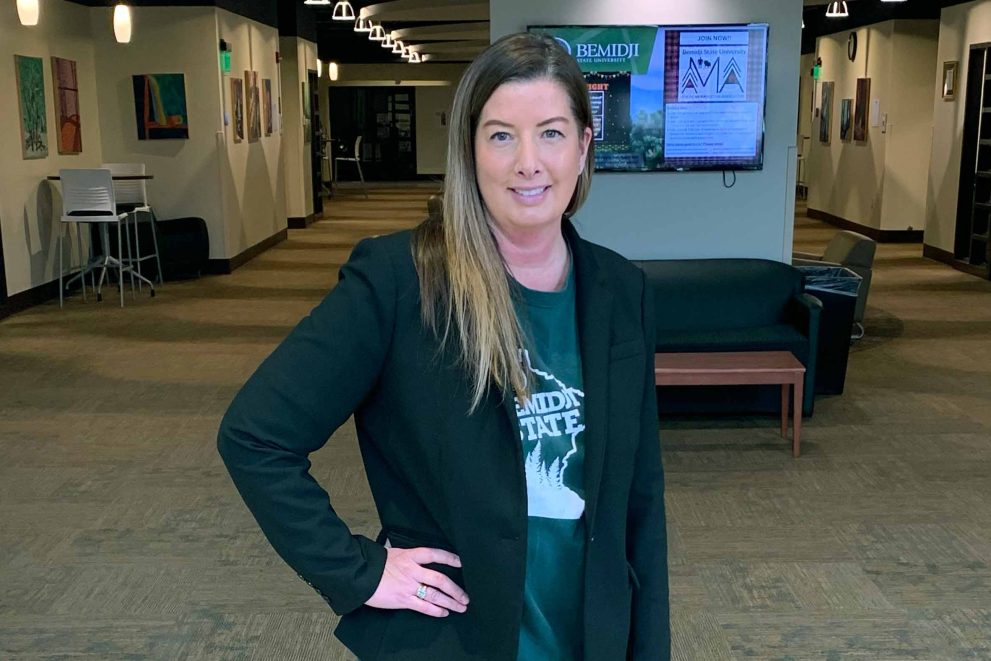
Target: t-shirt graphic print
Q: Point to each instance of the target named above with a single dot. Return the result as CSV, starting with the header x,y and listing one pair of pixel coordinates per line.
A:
x,y
550,424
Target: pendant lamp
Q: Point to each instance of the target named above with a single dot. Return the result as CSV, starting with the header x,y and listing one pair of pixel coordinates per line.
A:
x,y
122,23
837,10
27,12
343,11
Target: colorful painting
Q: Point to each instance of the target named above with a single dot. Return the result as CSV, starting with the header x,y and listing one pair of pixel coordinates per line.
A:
x,y
160,106
70,139
846,119
306,113
237,108
860,110
254,106
31,100
826,115
267,104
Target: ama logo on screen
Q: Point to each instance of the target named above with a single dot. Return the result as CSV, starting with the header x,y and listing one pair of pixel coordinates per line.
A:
x,y
699,76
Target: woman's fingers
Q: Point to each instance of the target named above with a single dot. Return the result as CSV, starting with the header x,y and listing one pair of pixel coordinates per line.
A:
x,y
444,600
426,607
440,584
425,555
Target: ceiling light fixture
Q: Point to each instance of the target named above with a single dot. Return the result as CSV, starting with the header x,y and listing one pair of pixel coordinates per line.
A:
x,y
397,47
316,2
388,42
332,70
122,23
414,57
319,68
837,10
377,33
343,11
27,12
362,25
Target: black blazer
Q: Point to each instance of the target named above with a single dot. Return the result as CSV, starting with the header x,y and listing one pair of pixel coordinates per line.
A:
x,y
446,479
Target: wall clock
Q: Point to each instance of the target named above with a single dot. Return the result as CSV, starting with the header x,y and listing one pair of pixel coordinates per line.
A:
x,y
851,46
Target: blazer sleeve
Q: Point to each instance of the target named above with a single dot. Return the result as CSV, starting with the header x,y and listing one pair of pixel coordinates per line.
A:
x,y
289,408
650,630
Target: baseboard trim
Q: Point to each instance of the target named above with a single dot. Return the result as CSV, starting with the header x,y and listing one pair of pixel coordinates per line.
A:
x,y
881,236
35,296
225,266
945,256
301,222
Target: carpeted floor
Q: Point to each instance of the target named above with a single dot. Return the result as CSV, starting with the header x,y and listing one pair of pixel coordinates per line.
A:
x,y
122,537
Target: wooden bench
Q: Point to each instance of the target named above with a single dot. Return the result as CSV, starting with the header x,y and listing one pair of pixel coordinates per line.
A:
x,y
739,368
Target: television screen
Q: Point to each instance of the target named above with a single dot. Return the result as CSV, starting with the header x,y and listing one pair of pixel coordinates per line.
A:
x,y
677,97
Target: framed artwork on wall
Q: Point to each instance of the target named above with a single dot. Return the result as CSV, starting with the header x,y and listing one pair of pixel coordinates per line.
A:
x,y
267,105
950,80
31,101
66,95
237,108
254,106
846,119
160,106
826,114
860,110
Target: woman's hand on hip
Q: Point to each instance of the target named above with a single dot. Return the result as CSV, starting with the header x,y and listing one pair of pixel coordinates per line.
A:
x,y
406,583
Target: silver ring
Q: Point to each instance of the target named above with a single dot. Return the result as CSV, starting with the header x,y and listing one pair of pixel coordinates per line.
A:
x,y
421,592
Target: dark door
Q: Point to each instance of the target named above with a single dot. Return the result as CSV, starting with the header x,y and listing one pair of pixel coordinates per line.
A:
x,y
971,245
316,143
385,118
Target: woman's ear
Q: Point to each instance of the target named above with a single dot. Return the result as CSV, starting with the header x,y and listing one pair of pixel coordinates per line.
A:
x,y
585,141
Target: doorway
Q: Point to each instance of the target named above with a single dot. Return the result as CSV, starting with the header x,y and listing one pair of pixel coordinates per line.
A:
x,y
971,244
385,118
316,143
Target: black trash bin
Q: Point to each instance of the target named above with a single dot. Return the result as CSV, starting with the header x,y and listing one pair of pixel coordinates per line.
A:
x,y
837,288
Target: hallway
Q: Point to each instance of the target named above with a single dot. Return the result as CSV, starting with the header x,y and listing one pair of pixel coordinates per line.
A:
x,y
121,534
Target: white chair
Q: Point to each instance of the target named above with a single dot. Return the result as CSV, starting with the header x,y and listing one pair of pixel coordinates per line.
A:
x,y
132,198
88,197
356,159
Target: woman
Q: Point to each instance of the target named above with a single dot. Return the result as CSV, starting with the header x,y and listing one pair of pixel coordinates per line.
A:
x,y
500,373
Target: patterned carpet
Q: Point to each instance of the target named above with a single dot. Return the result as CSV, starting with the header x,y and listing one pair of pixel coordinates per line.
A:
x,y
122,537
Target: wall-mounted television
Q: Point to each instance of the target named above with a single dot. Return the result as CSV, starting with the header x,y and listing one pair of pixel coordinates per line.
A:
x,y
673,97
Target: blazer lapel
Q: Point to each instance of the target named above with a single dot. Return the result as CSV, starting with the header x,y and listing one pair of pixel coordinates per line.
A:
x,y
594,303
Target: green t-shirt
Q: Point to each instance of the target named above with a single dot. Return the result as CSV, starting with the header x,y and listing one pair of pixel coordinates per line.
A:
x,y
551,426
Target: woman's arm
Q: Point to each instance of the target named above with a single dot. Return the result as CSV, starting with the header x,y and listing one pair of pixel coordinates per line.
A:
x,y
299,395
650,630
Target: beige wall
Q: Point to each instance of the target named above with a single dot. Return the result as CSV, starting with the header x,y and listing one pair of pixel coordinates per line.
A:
x,y
30,206
251,177
298,56
960,26
909,126
806,90
186,174
879,182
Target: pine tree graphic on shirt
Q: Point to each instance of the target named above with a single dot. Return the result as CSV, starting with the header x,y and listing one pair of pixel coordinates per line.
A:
x,y
552,417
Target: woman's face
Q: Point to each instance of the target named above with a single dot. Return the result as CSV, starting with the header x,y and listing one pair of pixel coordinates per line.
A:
x,y
529,152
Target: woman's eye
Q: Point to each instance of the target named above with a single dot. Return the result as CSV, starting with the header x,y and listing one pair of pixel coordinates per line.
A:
x,y
553,133
500,136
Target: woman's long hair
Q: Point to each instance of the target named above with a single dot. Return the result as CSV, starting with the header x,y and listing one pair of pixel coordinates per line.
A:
x,y
464,282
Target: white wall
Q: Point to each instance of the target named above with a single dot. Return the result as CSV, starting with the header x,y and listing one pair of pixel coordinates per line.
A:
x,y
30,206
298,56
251,177
878,183
960,26
805,95
675,215
186,175
909,127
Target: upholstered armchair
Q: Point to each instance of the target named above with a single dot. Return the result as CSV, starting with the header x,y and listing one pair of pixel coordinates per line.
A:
x,y
853,251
